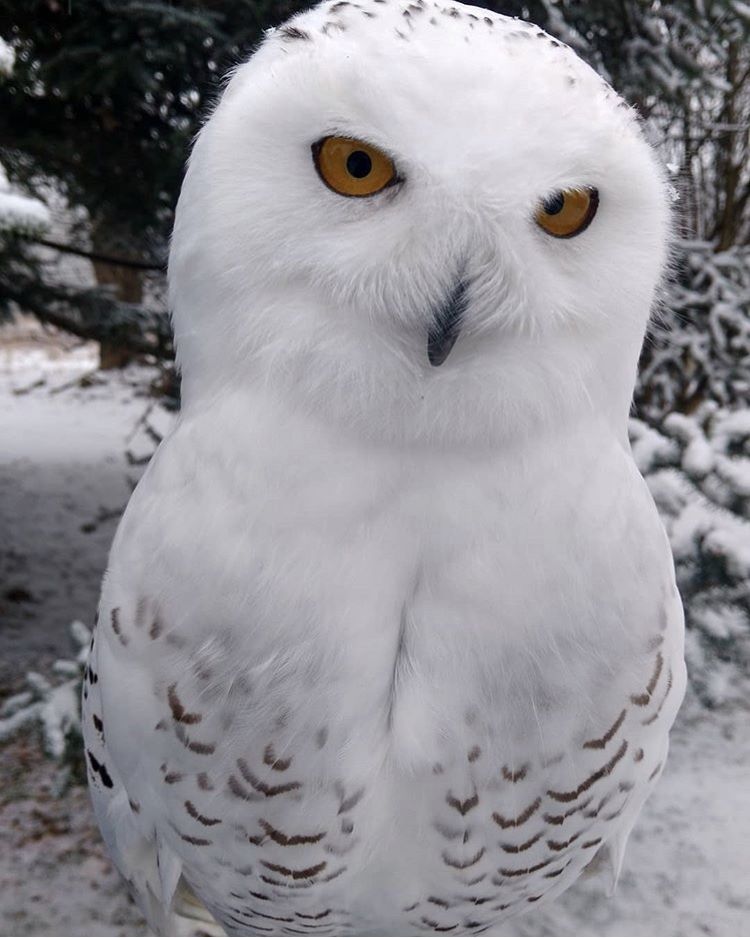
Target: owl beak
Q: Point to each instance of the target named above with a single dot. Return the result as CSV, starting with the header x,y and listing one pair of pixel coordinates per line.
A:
x,y
446,324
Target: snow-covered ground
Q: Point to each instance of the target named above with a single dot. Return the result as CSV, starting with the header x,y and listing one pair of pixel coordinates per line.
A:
x,y
64,478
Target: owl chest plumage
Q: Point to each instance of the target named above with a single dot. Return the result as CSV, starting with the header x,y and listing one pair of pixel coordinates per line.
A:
x,y
388,695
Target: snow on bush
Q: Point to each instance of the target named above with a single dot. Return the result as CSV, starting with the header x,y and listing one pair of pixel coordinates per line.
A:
x,y
698,470
54,706
151,428
7,58
19,214
701,350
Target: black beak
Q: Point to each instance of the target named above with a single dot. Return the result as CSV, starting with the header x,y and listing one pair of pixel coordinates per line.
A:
x,y
446,325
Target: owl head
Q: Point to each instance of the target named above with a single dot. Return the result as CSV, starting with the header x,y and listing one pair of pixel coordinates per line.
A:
x,y
418,221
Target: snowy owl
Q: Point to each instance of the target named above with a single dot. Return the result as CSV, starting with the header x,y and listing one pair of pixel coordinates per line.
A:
x,y
389,641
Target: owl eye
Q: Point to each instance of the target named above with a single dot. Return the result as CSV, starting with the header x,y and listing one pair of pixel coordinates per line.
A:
x,y
567,212
353,167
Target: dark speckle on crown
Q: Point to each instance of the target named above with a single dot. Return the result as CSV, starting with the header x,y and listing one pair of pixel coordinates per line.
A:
x,y
293,32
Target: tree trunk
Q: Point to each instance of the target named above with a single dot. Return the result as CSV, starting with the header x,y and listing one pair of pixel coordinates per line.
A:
x,y
728,223
128,287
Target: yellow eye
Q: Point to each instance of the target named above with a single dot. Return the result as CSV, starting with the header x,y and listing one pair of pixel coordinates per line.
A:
x,y
568,212
352,167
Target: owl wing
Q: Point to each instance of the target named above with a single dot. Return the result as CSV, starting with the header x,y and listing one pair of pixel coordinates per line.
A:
x,y
152,870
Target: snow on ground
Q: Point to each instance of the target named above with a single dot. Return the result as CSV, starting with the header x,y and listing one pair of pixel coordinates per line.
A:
x,y
55,878
63,480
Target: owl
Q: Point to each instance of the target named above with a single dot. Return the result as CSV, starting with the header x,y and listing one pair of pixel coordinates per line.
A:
x,y
389,641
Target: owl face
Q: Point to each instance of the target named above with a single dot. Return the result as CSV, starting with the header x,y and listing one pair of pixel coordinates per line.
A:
x,y
418,220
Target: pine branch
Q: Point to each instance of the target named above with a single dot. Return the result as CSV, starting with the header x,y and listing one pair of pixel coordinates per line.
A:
x,y
95,256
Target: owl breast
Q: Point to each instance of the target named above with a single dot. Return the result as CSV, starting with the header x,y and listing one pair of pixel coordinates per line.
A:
x,y
395,718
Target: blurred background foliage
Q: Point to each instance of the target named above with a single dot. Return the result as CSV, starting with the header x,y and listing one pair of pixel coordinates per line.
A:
x,y
100,99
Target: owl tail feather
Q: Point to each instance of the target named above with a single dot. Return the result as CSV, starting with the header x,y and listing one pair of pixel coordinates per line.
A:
x,y
169,904
186,917
607,862
189,915
615,854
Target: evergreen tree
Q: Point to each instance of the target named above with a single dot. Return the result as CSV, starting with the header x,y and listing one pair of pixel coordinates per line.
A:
x,y
102,105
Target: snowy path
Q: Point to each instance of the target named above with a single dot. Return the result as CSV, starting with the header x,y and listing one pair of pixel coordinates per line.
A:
x,y
63,483
62,466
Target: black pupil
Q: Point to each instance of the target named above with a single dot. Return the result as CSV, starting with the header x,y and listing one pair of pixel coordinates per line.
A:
x,y
358,164
554,204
